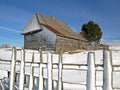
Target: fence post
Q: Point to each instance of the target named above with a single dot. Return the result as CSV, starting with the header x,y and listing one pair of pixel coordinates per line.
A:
x,y
60,71
26,79
22,70
36,81
91,71
41,72
2,85
13,69
31,87
107,73
49,71
17,78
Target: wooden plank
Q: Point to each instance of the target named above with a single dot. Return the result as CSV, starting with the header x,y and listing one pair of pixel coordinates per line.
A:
x,y
60,67
22,70
49,71
107,72
13,69
41,72
31,83
91,71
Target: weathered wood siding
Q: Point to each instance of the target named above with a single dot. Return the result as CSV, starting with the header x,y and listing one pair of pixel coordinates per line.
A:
x,y
45,39
66,44
83,44
69,44
50,41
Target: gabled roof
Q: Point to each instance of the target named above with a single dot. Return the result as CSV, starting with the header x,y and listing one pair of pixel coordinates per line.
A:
x,y
32,26
56,26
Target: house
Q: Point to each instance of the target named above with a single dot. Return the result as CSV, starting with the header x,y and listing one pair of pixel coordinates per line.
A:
x,y
51,34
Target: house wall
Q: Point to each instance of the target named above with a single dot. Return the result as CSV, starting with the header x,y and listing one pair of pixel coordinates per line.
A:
x,y
83,44
45,39
49,41
69,44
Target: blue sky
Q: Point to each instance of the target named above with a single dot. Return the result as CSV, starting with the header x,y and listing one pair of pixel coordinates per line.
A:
x,y
15,14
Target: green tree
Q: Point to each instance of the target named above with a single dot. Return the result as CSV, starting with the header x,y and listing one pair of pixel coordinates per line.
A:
x,y
92,31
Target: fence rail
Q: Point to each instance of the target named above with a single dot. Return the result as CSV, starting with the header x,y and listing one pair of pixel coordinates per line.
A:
x,y
33,74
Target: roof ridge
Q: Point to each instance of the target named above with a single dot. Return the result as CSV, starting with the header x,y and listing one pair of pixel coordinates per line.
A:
x,y
56,26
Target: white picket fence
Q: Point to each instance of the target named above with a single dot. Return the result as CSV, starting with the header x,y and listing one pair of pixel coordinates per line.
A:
x,y
48,84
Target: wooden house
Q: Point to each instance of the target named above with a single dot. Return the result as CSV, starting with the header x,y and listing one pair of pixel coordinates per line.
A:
x,y
51,34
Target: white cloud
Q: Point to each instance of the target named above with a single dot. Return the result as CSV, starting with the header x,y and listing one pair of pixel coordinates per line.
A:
x,y
9,29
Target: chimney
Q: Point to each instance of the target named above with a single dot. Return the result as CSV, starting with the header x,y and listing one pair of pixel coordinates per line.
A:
x,y
53,18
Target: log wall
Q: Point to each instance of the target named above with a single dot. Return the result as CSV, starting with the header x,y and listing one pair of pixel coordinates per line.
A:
x,y
69,44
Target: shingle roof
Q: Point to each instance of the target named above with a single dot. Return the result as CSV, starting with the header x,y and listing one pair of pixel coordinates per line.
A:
x,y
56,26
